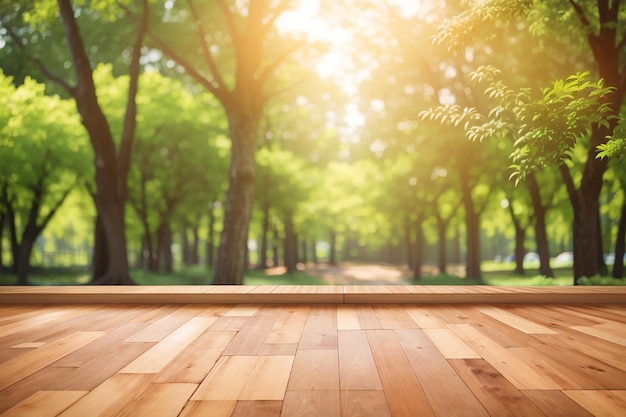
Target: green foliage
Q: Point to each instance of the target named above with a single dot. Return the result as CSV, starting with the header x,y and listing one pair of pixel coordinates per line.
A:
x,y
460,30
544,128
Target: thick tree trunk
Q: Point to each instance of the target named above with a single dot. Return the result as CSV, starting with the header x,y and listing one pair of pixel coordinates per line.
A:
x,y
442,228
332,256
620,243
231,261
418,249
472,224
185,247
303,253
541,236
100,250
408,241
602,269
195,246
290,250
314,253
23,260
165,247
111,172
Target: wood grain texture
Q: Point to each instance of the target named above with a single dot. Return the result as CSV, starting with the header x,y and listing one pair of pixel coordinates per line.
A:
x,y
44,404
258,360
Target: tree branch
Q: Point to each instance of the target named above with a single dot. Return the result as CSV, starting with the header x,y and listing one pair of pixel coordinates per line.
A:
x,y
130,118
230,22
41,226
278,10
205,51
269,69
205,82
581,16
569,184
40,65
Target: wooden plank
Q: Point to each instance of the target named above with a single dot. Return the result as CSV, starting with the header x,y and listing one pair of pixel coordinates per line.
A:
x,y
521,375
320,329
243,310
257,409
612,332
393,317
208,409
565,377
289,325
497,395
450,345
246,378
111,397
161,328
311,403
423,317
405,395
232,323
108,342
367,318
315,370
515,321
163,400
556,404
44,380
194,363
364,404
32,361
44,404
357,369
595,370
600,403
446,393
103,367
158,356
251,336
347,318
279,349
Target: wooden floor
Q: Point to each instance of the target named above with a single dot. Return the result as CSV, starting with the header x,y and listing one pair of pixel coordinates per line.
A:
x,y
326,360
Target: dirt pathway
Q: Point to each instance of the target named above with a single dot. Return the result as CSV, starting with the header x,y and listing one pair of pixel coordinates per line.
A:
x,y
360,274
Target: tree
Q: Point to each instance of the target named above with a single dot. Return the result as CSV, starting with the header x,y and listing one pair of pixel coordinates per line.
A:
x,y
43,153
111,165
250,28
602,25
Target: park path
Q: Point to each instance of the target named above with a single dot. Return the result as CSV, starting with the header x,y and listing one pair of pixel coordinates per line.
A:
x,y
360,274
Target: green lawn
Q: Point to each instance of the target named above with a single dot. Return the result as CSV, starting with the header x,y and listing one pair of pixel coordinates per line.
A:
x,y
493,274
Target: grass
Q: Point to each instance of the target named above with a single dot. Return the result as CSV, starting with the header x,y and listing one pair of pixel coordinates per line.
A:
x,y
493,274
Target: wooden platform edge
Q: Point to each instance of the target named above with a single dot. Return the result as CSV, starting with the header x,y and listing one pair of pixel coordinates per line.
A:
x,y
313,295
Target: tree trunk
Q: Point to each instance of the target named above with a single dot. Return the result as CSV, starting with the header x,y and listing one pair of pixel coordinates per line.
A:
x,y
231,260
185,247
602,269
264,232
290,249
520,250
195,244
111,173
314,252
275,253
442,228
23,260
541,236
210,246
332,256
303,252
165,246
472,222
620,243
410,247
418,250
520,240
